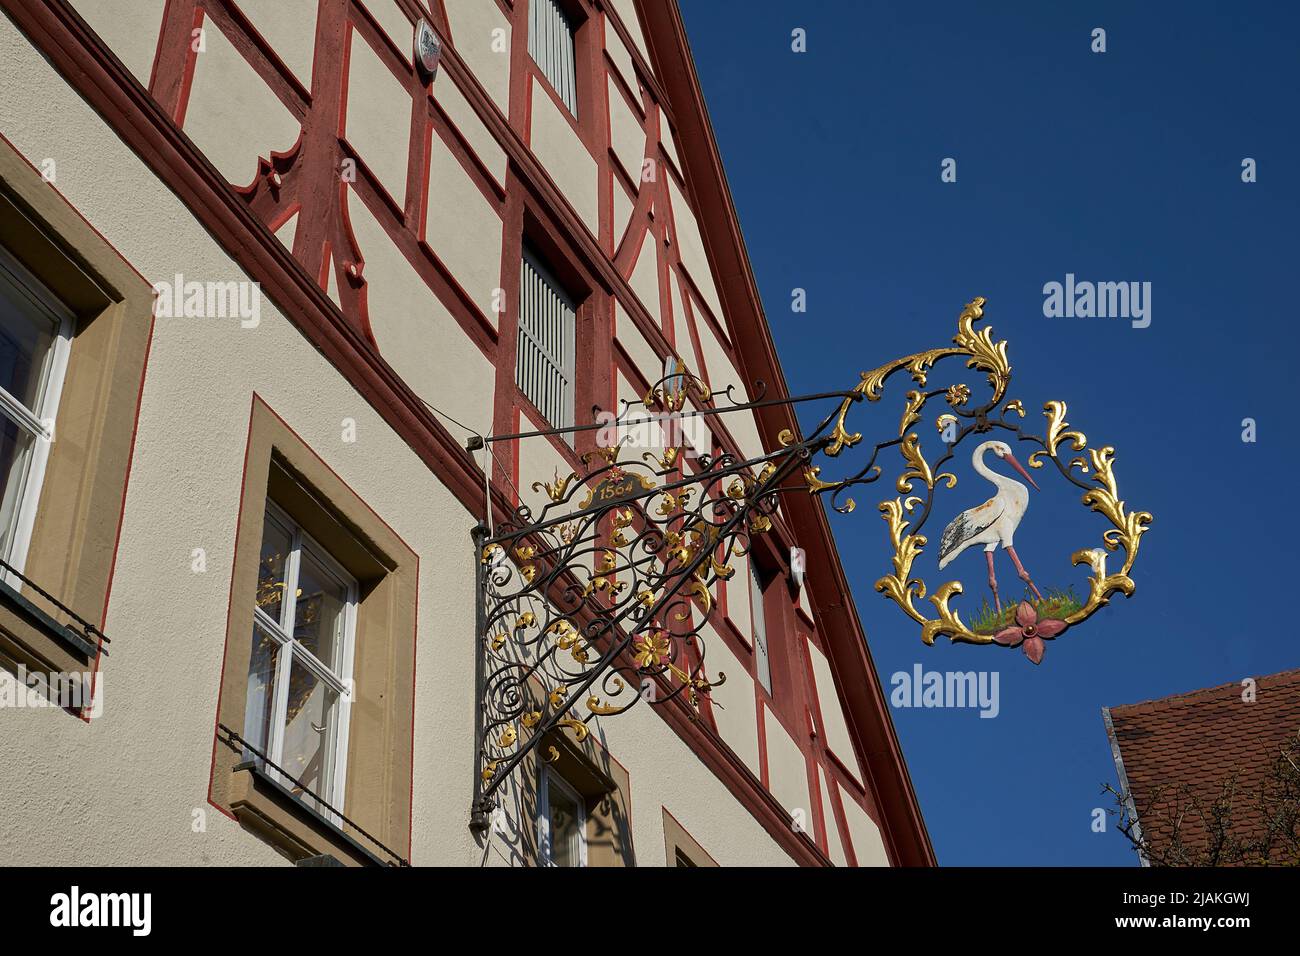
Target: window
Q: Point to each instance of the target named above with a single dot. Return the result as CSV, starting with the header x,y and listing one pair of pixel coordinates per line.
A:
x,y
545,358
579,805
300,670
761,663
681,849
561,822
318,670
75,319
35,336
551,45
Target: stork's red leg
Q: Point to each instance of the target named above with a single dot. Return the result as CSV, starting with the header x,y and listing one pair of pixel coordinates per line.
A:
x,y
993,582
1024,575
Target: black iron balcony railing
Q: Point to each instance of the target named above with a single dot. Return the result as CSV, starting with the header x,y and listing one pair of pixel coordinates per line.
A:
x,y
262,760
85,636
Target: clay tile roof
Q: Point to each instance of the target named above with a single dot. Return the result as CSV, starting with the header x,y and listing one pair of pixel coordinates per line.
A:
x,y
1201,739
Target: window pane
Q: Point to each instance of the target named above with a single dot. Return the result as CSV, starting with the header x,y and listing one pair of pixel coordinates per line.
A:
x,y
26,335
564,823
261,689
270,571
15,455
319,619
310,731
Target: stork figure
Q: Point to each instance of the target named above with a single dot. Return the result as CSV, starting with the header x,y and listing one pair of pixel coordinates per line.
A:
x,y
994,522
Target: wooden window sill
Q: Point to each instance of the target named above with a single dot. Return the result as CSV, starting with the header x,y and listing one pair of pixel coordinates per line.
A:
x,y
265,805
31,637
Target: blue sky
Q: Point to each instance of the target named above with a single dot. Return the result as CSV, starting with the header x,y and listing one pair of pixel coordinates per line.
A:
x,y
1122,166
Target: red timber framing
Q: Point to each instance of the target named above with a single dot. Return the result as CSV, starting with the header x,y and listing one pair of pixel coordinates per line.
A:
x,y
304,181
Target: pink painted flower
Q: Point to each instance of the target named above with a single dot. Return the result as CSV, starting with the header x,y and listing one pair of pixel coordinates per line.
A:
x,y
1031,631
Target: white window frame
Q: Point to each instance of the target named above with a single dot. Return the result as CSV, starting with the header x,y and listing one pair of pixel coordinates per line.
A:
x,y
553,45
38,422
290,651
546,778
556,377
762,662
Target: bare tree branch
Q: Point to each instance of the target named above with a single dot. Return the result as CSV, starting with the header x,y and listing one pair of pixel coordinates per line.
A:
x,y
1180,826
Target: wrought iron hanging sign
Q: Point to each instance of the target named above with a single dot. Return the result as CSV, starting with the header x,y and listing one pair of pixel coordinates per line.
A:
x,y
989,527
599,599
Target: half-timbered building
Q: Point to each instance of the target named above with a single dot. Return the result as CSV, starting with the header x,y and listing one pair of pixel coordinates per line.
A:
x,y
267,267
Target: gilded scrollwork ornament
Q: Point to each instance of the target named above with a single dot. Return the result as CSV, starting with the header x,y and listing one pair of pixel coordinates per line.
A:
x,y
990,527
599,594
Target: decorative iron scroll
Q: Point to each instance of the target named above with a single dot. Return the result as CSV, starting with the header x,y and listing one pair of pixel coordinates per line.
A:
x,y
599,598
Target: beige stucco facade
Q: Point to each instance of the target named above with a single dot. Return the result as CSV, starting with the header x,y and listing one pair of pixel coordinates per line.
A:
x,y
131,785
126,786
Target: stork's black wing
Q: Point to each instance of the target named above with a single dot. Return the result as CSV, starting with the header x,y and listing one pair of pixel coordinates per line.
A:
x,y
968,524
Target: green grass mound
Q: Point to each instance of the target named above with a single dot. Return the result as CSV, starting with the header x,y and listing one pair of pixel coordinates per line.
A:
x,y
1056,604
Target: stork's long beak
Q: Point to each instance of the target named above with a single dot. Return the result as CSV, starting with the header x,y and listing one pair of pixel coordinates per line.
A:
x,y
1016,465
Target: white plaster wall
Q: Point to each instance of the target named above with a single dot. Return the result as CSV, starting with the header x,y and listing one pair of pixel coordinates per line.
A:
x,y
619,56
232,115
804,603
681,331
538,461
463,229
787,771
131,29
124,788
480,33
331,282
622,214
626,10
645,280
740,606
717,364
558,148
641,352
686,230
742,426
668,142
626,133
481,142
835,846
289,26
636,429
394,23
665,773
378,121
697,431
734,703
864,834
415,332
836,728
287,230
